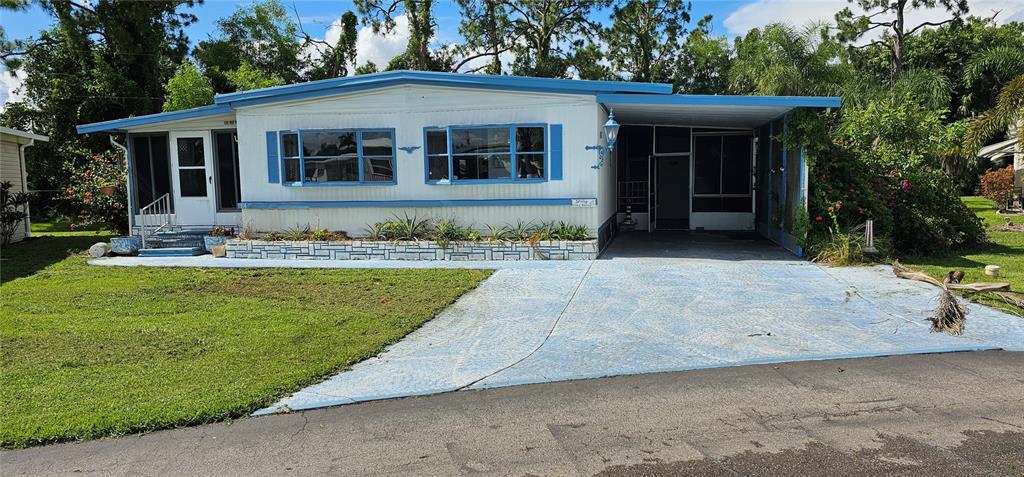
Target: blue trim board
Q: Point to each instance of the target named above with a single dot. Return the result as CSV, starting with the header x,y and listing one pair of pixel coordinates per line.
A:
x,y
388,78
135,121
555,153
333,204
723,100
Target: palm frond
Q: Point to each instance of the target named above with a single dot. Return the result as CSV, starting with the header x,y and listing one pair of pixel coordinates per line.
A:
x,y
1008,111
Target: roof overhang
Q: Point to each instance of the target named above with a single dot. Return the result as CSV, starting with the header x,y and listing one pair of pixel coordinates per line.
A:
x,y
21,137
999,150
725,111
139,121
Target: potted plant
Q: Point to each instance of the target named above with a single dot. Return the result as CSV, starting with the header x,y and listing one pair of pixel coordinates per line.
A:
x,y
217,236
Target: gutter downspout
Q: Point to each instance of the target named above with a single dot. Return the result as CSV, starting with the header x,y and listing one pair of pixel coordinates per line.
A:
x,y
128,182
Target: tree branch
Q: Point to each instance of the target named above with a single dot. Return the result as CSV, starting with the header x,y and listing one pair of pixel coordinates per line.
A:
x,y
479,55
935,24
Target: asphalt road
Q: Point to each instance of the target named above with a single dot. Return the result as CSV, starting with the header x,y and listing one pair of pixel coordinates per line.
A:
x,y
949,414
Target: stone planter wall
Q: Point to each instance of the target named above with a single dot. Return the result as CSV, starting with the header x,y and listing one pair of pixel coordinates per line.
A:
x,y
418,250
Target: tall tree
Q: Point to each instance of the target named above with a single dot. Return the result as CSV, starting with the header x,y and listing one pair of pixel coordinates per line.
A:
x,y
704,61
263,34
334,57
782,60
549,32
102,60
381,15
643,39
487,28
889,17
188,88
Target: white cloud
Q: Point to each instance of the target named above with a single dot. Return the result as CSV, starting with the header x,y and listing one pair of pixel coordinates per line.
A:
x,y
370,46
378,48
10,87
802,12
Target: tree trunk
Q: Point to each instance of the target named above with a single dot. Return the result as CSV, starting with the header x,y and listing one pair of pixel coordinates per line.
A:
x,y
897,41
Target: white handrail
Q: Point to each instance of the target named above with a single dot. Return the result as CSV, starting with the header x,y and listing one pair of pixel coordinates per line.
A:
x,y
160,212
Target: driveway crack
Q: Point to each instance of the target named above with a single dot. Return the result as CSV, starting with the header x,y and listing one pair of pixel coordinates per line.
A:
x,y
551,331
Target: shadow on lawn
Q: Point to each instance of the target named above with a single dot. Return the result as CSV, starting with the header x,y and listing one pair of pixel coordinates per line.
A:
x,y
25,258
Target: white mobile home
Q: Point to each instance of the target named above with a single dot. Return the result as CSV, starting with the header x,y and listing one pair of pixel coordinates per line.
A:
x,y
486,150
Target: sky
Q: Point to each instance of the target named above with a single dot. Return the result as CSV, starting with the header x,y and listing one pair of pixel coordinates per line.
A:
x,y
731,18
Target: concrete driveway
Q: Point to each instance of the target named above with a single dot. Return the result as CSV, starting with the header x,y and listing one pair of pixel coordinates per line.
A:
x,y
648,305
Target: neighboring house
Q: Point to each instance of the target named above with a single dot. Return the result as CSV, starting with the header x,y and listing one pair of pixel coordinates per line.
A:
x,y
1008,152
12,167
486,150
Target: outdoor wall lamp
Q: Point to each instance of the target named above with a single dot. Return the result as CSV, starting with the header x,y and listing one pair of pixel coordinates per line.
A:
x,y
611,132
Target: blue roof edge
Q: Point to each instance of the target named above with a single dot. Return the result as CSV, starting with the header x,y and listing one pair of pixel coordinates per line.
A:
x,y
724,100
466,80
134,121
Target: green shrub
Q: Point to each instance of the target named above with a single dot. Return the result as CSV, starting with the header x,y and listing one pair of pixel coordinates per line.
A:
x,y
883,162
997,186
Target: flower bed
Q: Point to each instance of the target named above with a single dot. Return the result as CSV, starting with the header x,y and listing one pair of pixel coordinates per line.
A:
x,y
413,250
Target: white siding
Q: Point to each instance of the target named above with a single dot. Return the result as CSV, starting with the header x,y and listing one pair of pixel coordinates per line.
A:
x,y
11,169
607,184
409,109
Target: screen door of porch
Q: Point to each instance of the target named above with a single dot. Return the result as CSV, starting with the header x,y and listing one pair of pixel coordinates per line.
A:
x,y
192,162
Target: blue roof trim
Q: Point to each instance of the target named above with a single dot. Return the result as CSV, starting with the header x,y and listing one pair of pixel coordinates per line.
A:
x,y
724,100
464,80
136,121
331,204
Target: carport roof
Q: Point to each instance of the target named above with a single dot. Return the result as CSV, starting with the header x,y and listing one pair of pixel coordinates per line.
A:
x,y
708,110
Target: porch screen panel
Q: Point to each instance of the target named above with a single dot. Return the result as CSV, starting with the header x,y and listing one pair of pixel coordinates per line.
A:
x,y
736,173
793,196
228,180
763,177
152,168
143,171
777,175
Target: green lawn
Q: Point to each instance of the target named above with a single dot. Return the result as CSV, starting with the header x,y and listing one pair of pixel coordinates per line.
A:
x,y
1006,250
96,351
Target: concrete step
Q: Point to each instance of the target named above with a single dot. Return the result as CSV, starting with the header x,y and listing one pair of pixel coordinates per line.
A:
x,y
171,252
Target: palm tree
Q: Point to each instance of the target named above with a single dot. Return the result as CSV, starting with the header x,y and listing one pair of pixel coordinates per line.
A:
x,y
1008,113
782,60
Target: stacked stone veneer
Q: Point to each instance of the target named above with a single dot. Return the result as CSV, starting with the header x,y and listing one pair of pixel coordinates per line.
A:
x,y
414,250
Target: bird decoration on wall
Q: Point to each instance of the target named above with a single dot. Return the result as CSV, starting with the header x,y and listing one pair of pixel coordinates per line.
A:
x,y
409,149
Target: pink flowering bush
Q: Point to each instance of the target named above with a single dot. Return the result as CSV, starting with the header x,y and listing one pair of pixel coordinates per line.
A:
x,y
98,193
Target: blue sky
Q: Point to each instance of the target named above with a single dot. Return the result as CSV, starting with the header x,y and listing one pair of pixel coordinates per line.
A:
x,y
731,18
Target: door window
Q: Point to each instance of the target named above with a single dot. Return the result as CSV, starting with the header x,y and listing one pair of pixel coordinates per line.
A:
x,y
191,167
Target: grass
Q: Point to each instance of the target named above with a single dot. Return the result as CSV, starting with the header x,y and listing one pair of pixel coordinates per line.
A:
x,y
1005,249
90,351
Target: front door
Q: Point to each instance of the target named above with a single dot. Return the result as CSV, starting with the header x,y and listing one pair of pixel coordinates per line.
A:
x,y
673,191
192,163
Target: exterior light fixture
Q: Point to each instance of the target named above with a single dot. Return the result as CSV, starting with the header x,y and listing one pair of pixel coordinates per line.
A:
x,y
611,133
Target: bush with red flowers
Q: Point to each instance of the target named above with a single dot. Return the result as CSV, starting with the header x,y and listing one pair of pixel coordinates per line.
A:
x,y
882,161
98,194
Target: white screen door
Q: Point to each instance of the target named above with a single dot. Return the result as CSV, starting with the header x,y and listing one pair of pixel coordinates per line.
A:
x,y
192,161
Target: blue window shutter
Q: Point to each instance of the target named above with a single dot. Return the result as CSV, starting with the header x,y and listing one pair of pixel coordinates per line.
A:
x,y
273,163
555,132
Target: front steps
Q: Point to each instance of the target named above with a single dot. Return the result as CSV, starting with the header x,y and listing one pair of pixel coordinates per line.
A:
x,y
174,244
171,252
